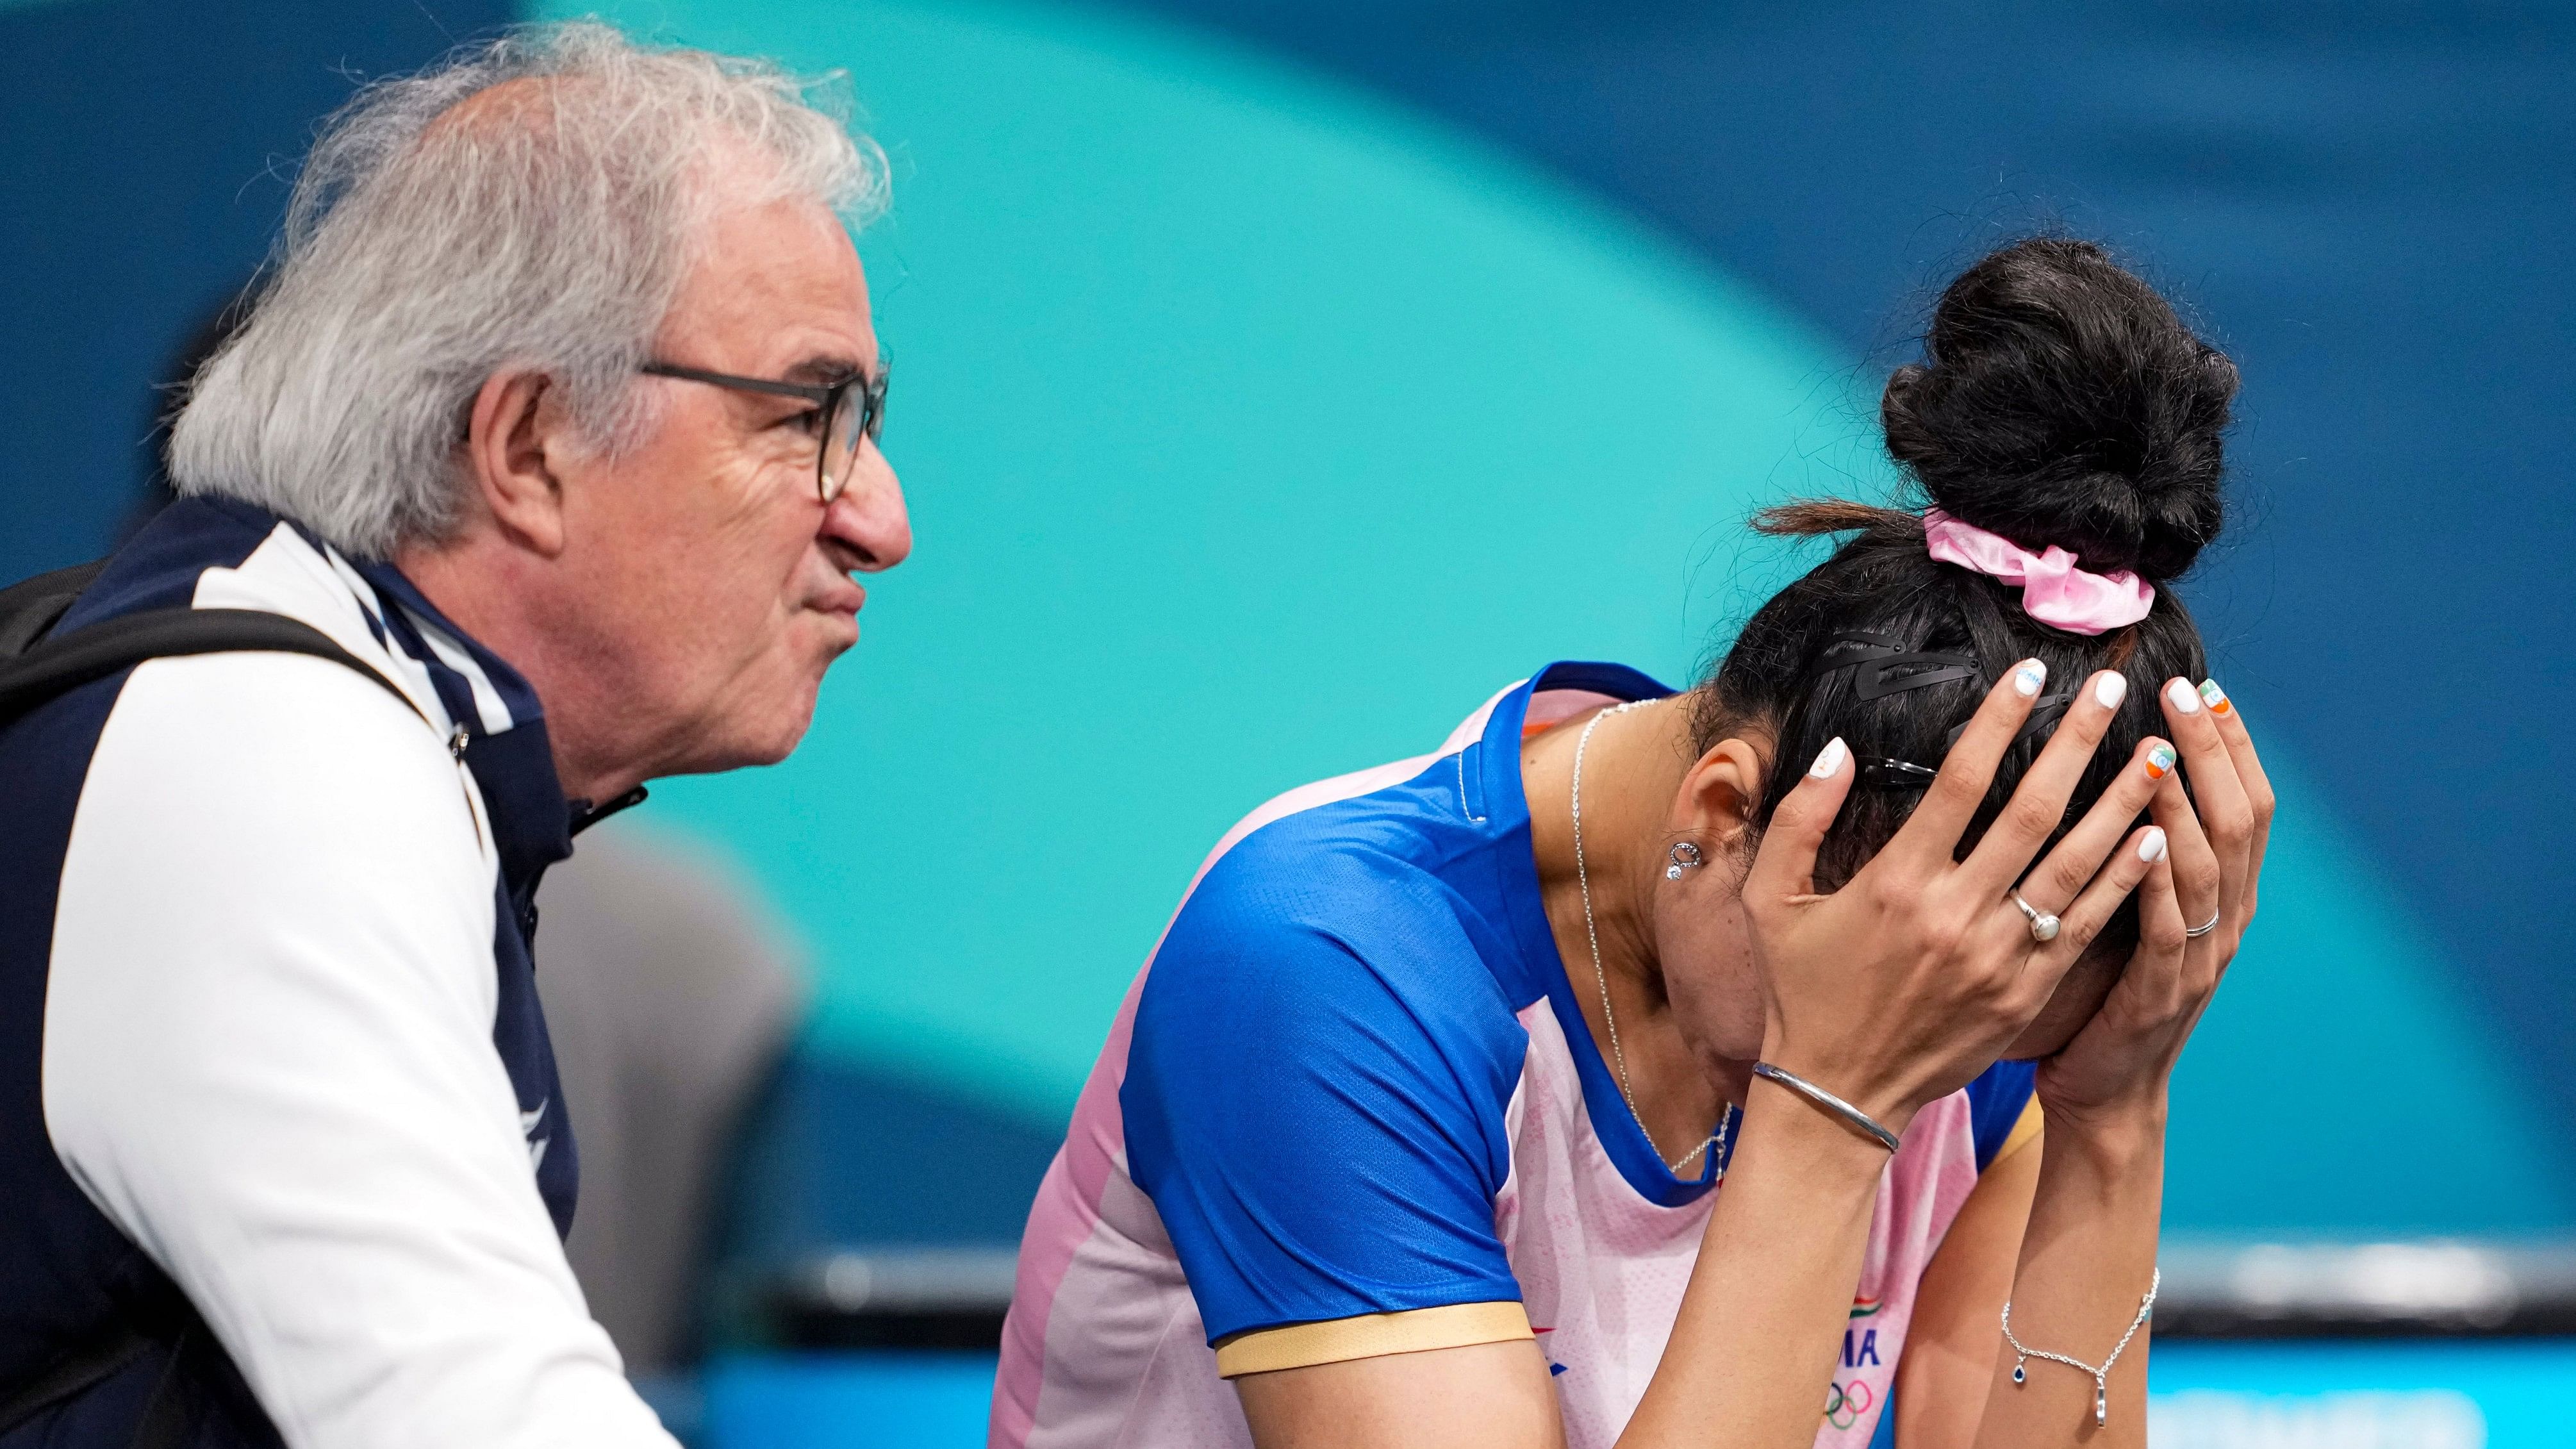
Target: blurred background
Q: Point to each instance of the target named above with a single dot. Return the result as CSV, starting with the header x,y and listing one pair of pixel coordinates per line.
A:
x,y
1278,380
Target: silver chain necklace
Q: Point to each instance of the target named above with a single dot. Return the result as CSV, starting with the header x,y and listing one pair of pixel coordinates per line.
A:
x,y
1592,935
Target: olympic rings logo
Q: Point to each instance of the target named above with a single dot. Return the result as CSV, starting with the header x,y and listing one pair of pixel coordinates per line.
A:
x,y
1845,1403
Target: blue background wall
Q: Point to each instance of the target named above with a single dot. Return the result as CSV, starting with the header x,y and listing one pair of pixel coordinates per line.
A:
x,y
1278,380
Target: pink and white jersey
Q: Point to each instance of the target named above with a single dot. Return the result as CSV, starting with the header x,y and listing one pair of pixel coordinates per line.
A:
x,y
1351,1107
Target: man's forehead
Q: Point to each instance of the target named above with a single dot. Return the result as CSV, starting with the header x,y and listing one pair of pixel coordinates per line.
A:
x,y
777,285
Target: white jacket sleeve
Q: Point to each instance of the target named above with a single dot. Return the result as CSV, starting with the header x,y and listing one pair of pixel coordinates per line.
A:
x,y
268,1059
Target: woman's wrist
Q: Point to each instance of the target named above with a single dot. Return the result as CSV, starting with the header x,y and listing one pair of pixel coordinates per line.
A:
x,y
2108,1139
1832,1071
2127,1115
1799,1136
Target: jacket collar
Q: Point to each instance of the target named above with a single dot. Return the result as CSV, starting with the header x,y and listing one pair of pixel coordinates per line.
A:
x,y
503,725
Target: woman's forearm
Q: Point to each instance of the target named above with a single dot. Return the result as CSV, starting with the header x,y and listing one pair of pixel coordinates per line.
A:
x,y
1754,1344
2087,1258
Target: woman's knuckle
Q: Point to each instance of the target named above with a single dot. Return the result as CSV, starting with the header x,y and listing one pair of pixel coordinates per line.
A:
x,y
2032,817
2068,878
1956,792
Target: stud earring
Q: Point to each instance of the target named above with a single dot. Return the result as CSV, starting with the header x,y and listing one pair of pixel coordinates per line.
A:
x,y
1684,856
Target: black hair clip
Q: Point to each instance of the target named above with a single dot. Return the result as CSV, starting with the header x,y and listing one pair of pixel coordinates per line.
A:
x,y
1883,666
1896,774
1880,666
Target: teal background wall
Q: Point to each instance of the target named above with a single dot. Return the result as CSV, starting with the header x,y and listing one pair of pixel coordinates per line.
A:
x,y
1256,430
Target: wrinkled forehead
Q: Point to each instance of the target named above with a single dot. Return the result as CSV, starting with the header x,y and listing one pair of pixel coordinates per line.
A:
x,y
772,286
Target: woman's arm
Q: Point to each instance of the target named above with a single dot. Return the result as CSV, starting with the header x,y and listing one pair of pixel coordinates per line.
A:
x,y
1950,1346
2089,1253
2087,1258
1893,992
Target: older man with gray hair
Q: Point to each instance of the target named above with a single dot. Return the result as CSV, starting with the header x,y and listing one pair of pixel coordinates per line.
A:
x,y
547,459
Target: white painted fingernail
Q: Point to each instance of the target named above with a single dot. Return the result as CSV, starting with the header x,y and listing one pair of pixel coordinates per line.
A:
x,y
2151,846
2186,700
2111,688
2028,676
1829,760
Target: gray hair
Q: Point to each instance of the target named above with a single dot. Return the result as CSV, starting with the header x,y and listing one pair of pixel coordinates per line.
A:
x,y
420,258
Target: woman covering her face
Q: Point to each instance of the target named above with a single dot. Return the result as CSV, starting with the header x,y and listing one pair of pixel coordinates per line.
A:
x,y
1644,1068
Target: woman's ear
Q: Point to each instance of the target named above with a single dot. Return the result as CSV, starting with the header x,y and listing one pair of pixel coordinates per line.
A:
x,y
1720,795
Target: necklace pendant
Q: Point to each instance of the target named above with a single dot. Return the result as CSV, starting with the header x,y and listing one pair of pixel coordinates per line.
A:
x,y
2101,1403
2020,1374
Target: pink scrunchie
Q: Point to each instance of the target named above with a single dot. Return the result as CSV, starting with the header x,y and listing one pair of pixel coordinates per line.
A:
x,y
2053,590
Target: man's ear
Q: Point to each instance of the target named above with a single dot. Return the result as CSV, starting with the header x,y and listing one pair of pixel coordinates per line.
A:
x,y
1720,795
517,429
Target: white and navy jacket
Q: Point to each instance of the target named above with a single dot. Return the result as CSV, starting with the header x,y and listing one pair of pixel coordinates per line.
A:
x,y
269,1033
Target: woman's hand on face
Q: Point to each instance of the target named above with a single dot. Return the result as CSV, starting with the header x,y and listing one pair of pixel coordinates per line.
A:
x,y
1903,985
2118,1065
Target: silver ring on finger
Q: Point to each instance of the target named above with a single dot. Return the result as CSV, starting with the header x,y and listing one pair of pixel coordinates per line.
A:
x,y
2205,927
2043,926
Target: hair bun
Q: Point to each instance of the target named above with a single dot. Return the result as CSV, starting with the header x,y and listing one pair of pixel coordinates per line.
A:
x,y
2060,401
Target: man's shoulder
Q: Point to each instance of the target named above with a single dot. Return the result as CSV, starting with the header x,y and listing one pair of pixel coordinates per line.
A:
x,y
236,709
287,763
240,709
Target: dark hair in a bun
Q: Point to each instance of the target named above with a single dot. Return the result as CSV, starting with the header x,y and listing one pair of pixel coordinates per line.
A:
x,y
2061,402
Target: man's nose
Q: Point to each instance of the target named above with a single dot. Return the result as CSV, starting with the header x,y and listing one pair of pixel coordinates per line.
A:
x,y
869,516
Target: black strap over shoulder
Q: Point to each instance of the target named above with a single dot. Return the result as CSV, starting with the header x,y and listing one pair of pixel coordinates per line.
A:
x,y
33,672
31,606
37,665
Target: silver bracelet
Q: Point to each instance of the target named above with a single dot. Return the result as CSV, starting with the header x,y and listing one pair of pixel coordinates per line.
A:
x,y
1829,1102
2101,1390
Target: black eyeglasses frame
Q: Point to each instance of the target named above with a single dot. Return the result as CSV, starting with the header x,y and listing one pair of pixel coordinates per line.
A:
x,y
828,399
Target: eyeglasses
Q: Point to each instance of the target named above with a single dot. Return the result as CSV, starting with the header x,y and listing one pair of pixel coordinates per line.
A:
x,y
844,412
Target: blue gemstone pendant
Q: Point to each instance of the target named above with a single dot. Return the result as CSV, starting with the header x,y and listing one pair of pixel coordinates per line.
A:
x,y
2020,1375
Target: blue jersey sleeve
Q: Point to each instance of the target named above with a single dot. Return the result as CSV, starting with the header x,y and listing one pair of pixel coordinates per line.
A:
x,y
1315,1093
1995,1102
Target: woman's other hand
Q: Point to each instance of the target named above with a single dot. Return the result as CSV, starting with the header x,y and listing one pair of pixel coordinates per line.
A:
x,y
1913,977
2118,1065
